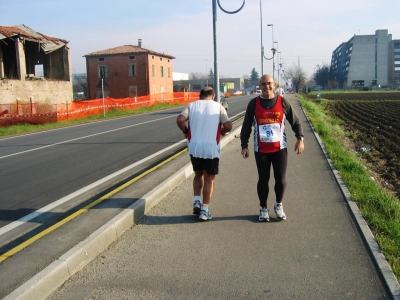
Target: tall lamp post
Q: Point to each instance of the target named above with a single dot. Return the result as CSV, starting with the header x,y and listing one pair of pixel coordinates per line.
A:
x,y
216,73
206,73
273,62
262,45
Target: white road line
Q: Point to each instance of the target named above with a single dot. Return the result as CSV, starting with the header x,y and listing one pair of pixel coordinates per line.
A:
x,y
83,137
67,198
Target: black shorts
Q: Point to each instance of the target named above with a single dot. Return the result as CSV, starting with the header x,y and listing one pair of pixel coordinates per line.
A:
x,y
210,165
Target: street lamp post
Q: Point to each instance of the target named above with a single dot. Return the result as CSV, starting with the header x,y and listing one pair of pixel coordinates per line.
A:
x,y
216,73
206,73
262,46
273,61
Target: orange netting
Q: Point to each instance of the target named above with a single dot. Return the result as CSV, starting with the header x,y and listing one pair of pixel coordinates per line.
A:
x,y
40,113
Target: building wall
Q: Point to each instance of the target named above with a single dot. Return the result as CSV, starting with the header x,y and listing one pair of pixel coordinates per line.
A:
x,y
158,82
42,91
365,57
395,61
195,85
120,82
362,62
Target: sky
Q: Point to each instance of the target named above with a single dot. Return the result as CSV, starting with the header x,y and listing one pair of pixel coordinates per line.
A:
x,y
306,31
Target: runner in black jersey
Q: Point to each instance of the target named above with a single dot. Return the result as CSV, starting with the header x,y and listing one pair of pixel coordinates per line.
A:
x,y
267,113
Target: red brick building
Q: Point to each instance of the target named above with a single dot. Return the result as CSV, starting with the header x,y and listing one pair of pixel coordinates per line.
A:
x,y
128,71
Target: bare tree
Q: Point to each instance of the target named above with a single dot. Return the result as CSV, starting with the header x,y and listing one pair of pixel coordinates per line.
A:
x,y
79,86
297,75
198,75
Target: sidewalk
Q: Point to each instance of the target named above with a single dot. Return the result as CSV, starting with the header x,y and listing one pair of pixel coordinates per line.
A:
x,y
317,253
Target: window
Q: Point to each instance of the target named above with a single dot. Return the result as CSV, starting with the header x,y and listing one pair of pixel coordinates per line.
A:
x,y
132,57
229,85
153,70
103,72
162,71
169,72
101,58
39,71
132,70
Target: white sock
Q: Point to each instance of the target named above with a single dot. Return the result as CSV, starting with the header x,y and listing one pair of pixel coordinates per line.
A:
x,y
197,198
204,207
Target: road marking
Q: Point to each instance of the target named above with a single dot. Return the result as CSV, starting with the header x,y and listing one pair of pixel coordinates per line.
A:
x,y
83,210
67,198
87,207
83,137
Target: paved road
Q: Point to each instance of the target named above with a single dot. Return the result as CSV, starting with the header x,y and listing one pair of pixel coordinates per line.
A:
x,y
42,168
317,253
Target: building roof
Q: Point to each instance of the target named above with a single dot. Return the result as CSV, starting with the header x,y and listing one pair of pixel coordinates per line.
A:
x,y
47,43
127,49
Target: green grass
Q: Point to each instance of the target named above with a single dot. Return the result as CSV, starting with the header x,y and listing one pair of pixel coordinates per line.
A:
x,y
112,114
380,208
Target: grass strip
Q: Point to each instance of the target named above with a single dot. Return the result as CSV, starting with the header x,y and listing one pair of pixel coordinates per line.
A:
x,y
380,208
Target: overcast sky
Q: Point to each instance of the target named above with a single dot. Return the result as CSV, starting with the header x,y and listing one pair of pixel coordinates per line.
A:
x,y
307,31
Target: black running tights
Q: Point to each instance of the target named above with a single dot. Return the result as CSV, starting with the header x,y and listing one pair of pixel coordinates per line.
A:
x,y
279,164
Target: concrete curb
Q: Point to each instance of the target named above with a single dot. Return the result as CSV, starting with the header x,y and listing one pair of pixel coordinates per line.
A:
x,y
379,259
53,276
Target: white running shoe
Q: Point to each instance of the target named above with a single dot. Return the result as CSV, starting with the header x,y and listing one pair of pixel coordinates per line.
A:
x,y
280,214
196,207
205,215
264,216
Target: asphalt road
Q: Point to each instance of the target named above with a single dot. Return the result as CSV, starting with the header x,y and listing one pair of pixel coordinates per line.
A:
x,y
39,169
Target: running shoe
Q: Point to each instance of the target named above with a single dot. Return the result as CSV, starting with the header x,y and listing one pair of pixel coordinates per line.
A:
x,y
264,216
205,215
280,214
196,207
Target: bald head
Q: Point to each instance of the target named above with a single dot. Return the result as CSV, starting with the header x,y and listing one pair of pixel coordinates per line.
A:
x,y
207,93
266,78
267,86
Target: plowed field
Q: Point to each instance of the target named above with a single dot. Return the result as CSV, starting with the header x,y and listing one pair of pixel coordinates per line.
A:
x,y
374,128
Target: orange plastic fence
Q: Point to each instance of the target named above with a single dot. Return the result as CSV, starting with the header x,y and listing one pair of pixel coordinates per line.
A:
x,y
40,113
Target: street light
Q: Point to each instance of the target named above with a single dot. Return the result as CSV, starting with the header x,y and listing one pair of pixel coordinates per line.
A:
x,y
206,73
273,61
216,73
262,46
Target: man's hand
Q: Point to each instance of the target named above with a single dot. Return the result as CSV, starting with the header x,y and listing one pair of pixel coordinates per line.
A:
x,y
245,153
299,147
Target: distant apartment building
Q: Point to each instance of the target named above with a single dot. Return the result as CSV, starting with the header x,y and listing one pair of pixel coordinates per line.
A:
x,y
128,71
367,60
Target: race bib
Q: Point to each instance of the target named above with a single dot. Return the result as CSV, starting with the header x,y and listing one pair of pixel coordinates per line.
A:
x,y
269,133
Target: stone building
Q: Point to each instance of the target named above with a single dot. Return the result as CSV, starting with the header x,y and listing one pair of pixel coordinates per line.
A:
x,y
33,67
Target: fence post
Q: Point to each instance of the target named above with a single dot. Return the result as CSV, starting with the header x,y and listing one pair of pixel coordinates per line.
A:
x,y
31,100
17,105
67,109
